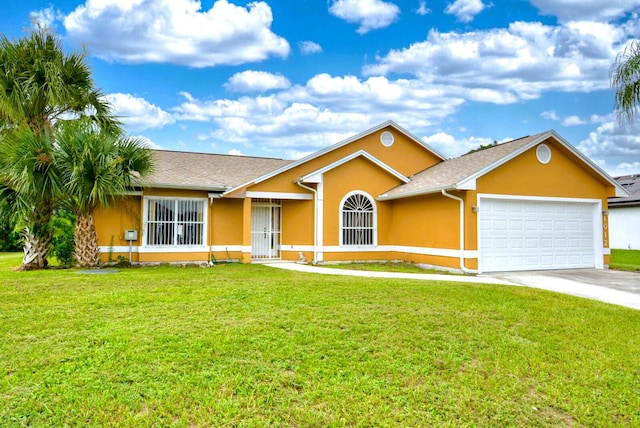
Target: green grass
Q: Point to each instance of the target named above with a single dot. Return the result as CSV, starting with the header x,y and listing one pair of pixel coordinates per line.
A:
x,y
249,345
386,267
625,260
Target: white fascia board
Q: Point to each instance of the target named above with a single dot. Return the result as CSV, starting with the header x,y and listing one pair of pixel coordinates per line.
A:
x,y
315,175
386,197
337,146
181,187
280,195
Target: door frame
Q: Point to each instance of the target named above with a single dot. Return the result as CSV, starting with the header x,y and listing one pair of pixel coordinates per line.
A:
x,y
270,248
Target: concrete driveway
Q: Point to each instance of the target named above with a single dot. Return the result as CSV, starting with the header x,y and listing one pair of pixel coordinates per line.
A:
x,y
611,286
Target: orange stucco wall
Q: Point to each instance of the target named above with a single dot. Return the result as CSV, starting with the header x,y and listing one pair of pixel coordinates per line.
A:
x,y
563,176
113,221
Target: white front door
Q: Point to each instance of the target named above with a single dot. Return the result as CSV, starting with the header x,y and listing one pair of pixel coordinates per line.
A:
x,y
265,229
520,234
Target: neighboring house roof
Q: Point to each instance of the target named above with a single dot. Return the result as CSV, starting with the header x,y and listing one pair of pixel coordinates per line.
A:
x,y
204,171
631,183
337,146
462,172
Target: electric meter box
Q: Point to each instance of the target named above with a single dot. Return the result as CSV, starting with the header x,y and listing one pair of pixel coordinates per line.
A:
x,y
130,235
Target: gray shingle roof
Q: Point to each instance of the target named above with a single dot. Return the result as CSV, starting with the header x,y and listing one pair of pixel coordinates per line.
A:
x,y
186,170
450,173
631,183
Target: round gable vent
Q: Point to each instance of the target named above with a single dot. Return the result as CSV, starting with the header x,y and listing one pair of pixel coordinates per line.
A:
x,y
386,138
543,152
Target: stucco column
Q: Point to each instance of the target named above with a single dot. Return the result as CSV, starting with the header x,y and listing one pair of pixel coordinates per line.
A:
x,y
246,230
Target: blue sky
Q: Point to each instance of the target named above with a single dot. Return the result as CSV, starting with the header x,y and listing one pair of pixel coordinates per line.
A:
x,y
284,78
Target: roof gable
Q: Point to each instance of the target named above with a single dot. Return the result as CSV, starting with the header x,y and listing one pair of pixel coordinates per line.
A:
x,y
335,147
314,177
462,172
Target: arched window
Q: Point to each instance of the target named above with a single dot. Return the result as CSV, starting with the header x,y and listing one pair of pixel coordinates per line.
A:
x,y
358,222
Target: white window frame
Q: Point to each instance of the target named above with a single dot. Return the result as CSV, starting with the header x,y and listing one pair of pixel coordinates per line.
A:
x,y
174,245
374,227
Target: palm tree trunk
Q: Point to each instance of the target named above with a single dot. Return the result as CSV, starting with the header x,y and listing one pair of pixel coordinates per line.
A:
x,y
86,241
36,250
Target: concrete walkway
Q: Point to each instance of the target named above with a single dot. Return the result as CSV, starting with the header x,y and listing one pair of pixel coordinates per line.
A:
x,y
558,281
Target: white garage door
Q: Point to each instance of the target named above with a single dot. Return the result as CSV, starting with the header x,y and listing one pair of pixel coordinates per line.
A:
x,y
534,235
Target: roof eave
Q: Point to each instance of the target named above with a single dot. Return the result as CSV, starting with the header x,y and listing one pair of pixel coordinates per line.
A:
x,y
386,197
187,187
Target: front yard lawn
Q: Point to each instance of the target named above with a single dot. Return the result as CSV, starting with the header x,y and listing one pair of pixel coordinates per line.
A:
x,y
249,345
625,260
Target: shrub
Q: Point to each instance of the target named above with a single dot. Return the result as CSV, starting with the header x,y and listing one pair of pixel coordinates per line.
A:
x,y
62,244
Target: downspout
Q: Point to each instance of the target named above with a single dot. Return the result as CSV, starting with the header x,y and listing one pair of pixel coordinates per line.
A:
x,y
462,266
315,218
209,231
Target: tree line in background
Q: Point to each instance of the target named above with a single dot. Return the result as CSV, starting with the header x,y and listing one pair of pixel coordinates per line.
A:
x,y
62,152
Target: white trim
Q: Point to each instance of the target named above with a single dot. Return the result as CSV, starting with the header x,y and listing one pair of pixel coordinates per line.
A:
x,y
598,244
106,249
161,248
280,195
320,223
316,176
537,198
606,251
337,146
386,197
173,249
425,251
133,193
297,248
375,217
187,187
223,248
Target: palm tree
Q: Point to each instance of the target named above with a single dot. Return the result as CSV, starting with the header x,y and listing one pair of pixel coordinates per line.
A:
x,y
29,190
625,79
40,87
40,84
96,168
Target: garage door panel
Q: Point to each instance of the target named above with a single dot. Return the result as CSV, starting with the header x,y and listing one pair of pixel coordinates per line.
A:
x,y
527,235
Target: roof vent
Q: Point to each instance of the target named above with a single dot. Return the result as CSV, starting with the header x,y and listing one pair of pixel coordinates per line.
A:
x,y
386,138
543,153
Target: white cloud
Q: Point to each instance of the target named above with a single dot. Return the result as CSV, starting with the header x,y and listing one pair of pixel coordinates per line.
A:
x,y
136,113
308,47
369,14
577,10
574,120
147,142
612,144
176,31
256,81
451,146
511,64
465,10
46,17
551,115
422,8
235,152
